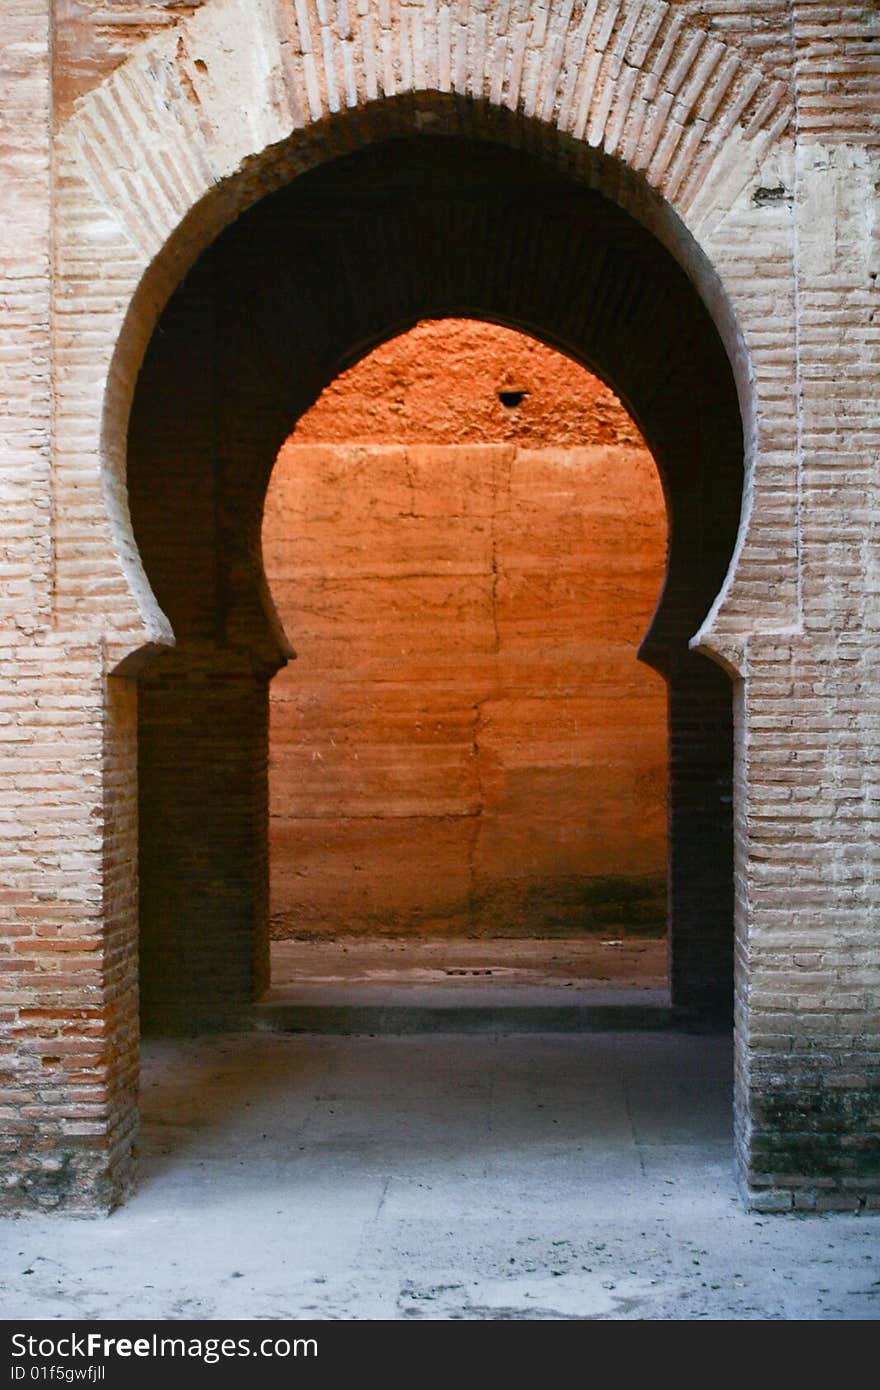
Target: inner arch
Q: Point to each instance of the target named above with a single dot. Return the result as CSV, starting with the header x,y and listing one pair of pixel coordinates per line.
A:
x,y
465,536
304,284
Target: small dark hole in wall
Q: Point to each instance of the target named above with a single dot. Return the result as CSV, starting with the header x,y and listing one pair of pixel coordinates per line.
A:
x,y
512,399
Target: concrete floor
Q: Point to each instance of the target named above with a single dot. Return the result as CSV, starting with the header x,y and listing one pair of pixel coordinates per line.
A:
x,y
493,1177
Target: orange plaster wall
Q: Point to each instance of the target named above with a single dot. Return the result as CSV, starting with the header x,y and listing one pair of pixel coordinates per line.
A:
x,y
466,741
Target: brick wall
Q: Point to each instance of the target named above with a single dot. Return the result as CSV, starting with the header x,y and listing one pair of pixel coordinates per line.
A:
x,y
755,167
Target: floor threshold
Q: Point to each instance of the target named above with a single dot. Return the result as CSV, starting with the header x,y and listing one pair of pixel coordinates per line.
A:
x,y
375,1020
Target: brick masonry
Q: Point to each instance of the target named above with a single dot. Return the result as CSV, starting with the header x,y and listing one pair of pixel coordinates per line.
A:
x,y
744,139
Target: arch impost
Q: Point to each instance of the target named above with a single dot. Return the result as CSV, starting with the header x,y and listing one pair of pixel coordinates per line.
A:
x,y
726,649
735,650
128,653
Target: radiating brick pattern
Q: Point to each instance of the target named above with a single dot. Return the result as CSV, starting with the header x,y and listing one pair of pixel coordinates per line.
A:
x,y
93,38
758,29
91,42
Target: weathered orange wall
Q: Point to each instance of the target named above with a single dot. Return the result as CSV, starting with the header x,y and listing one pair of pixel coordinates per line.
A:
x,y
466,741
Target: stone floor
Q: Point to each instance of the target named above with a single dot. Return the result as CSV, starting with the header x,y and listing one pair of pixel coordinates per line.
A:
x,y
461,971
441,985
493,1177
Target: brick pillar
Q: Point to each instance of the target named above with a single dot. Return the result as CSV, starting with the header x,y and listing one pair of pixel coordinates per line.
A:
x,y
203,731
68,1062
203,711
700,838
808,1119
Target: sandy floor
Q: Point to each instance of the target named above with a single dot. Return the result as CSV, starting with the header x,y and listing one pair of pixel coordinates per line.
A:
x,y
508,1177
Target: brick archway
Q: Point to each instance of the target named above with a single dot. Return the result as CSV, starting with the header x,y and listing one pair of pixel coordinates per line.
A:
x,y
197,125
311,277
665,122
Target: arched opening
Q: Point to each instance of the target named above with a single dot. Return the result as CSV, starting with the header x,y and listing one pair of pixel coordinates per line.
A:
x,y
465,538
301,286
